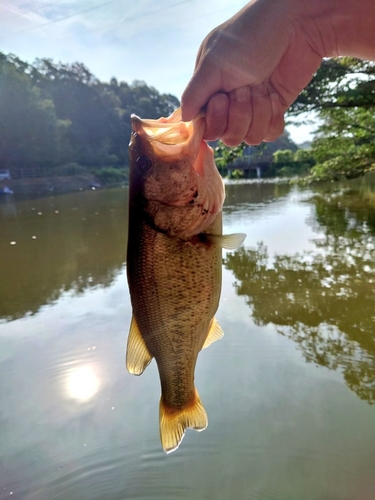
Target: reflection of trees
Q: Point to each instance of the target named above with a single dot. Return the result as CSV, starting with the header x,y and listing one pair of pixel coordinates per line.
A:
x,y
252,195
325,299
83,245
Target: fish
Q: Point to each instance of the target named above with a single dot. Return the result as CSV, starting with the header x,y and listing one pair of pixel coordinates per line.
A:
x,y
174,261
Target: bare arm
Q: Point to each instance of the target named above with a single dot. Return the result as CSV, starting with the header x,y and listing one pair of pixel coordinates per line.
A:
x,y
251,68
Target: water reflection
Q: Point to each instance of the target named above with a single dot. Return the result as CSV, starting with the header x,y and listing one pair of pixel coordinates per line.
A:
x,y
78,241
240,195
323,299
82,383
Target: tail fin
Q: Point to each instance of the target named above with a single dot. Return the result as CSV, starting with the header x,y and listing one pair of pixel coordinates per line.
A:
x,y
175,421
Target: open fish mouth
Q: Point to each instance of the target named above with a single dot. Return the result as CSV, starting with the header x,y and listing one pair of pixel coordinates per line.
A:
x,y
168,131
170,137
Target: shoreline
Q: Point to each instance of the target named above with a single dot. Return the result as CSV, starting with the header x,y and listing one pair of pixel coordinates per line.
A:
x,y
41,186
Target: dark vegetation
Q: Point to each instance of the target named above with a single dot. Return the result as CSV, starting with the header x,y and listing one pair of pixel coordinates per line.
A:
x,y
58,119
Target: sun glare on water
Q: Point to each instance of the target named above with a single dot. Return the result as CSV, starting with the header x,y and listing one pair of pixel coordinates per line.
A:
x,y
82,383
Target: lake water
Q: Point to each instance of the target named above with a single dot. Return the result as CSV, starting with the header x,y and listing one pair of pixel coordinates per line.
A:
x,y
289,390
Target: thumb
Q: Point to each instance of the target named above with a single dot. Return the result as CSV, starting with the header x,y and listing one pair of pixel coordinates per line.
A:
x,y
203,85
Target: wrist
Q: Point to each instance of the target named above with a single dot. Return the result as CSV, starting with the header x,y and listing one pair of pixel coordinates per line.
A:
x,y
337,27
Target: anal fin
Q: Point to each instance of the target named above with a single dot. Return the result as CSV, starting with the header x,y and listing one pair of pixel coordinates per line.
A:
x,y
137,354
215,332
175,421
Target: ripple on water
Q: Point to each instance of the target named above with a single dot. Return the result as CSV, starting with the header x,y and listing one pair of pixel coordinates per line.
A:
x,y
109,473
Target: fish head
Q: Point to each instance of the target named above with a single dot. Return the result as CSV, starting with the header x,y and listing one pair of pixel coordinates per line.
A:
x,y
173,177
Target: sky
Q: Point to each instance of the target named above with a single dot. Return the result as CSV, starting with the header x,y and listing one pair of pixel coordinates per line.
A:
x,y
156,42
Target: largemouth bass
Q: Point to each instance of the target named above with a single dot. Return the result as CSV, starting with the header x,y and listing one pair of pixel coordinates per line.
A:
x,y
174,262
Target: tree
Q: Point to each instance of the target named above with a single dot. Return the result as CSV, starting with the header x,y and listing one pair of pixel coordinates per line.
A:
x,y
345,144
29,127
283,156
343,94
91,108
342,82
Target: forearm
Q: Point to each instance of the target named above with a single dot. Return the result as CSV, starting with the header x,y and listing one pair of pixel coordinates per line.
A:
x,y
338,27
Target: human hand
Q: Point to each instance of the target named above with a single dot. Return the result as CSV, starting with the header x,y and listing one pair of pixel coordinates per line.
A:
x,y
250,69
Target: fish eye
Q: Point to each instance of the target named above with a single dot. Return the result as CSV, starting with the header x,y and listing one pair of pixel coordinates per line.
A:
x,y
144,163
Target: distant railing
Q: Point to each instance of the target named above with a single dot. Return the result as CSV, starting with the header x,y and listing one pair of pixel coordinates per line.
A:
x,y
30,172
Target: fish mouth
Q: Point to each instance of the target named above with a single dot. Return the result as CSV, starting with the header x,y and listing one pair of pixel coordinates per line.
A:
x,y
136,124
165,132
169,136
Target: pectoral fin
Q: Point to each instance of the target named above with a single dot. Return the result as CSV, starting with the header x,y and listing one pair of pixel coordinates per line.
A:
x,y
137,354
227,241
214,333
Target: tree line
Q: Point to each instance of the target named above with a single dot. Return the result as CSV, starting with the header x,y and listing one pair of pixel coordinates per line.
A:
x,y
60,117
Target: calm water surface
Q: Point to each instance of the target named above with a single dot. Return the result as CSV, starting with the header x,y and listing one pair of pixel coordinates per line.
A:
x,y
289,390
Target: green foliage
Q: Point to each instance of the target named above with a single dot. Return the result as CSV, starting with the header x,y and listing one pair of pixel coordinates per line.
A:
x,y
28,122
111,175
303,155
343,82
53,115
343,94
284,156
345,145
237,174
287,163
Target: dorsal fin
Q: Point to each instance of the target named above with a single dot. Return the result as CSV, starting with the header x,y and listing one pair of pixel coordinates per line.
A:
x,y
137,354
215,332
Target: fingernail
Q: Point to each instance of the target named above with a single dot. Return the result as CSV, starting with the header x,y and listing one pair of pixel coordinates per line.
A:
x,y
242,94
